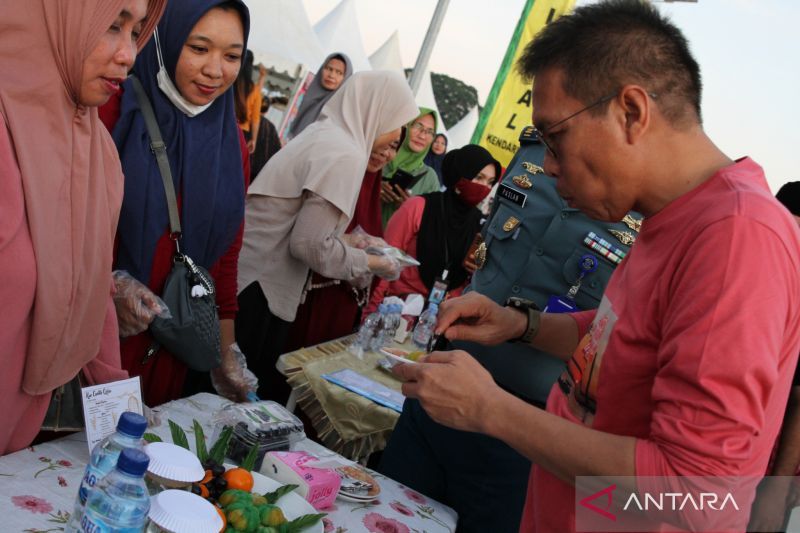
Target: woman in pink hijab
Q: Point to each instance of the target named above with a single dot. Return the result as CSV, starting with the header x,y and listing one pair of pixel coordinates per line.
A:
x,y
60,194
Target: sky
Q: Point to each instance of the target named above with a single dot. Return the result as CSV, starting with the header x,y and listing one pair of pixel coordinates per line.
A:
x,y
748,50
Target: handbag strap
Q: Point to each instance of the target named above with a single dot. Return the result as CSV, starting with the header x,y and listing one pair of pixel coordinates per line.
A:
x,y
159,149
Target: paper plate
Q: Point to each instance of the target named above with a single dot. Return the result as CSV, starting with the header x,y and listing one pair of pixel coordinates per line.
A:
x,y
398,355
183,512
173,462
292,505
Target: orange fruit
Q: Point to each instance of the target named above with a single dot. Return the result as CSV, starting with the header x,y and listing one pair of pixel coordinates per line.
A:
x,y
239,479
224,518
207,477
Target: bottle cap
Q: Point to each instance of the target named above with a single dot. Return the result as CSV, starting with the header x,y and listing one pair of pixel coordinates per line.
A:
x,y
133,462
132,424
382,309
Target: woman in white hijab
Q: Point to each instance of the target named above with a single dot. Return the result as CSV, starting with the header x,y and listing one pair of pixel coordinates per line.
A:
x,y
298,207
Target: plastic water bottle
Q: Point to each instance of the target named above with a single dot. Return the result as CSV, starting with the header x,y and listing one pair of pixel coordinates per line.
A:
x,y
394,319
384,332
425,326
366,332
130,428
119,502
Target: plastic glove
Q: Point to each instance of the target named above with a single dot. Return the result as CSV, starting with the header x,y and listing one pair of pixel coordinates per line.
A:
x,y
385,266
358,238
233,379
136,305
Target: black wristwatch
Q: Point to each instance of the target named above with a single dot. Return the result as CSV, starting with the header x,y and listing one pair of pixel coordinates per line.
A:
x,y
532,310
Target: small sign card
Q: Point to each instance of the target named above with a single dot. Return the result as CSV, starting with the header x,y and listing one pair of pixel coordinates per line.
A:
x,y
103,405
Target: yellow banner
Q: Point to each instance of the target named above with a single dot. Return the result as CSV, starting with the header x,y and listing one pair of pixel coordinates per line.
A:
x,y
508,108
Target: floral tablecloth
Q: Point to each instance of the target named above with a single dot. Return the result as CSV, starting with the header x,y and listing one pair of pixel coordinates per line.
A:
x,y
38,485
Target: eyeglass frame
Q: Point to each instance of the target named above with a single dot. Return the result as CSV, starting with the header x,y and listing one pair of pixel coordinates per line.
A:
x,y
422,129
541,134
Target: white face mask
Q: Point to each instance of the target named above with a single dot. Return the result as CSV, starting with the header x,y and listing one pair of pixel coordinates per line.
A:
x,y
172,92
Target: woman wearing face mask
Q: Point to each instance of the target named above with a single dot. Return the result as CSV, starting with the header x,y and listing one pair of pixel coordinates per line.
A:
x,y
60,192
186,73
335,70
410,160
331,307
437,228
298,208
436,155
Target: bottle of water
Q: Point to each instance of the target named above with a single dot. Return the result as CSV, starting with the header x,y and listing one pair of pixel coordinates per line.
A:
x,y
394,318
366,332
119,502
383,334
425,326
130,428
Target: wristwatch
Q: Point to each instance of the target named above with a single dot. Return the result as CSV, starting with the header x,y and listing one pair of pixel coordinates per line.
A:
x,y
532,310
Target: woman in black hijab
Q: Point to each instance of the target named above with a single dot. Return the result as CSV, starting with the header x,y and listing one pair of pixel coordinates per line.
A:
x,y
438,228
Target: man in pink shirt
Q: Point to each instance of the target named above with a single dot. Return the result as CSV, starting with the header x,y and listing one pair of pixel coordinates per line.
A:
x,y
685,368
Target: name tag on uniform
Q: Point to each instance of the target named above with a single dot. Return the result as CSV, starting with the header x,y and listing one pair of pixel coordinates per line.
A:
x,y
519,198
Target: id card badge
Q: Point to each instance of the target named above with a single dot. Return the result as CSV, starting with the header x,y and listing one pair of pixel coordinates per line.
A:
x,y
560,304
587,264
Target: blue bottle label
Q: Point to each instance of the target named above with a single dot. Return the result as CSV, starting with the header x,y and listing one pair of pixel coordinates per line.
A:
x,y
90,477
88,525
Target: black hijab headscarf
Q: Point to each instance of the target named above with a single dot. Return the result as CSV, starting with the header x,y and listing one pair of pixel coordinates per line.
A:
x,y
448,224
435,160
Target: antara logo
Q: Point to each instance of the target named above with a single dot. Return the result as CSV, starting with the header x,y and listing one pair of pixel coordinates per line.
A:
x,y
608,492
678,501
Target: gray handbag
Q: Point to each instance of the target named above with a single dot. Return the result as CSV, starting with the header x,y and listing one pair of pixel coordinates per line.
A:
x,y
192,333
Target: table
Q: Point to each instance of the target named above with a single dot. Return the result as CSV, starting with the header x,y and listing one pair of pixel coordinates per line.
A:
x,y
38,485
346,422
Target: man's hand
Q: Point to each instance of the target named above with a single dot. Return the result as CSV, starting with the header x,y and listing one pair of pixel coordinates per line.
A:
x,y
474,317
453,388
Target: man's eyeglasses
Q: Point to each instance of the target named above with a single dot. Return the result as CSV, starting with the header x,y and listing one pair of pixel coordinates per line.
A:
x,y
542,134
418,127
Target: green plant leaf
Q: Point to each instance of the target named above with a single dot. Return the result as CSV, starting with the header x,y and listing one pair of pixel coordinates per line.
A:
x,y
279,493
250,461
200,442
178,435
220,448
152,437
302,522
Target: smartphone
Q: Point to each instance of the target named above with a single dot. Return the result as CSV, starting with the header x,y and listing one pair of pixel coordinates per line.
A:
x,y
404,180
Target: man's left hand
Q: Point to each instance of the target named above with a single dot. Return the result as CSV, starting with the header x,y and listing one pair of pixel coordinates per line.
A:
x,y
452,387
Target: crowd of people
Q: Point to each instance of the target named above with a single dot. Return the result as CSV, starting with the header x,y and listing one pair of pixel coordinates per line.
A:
x,y
695,327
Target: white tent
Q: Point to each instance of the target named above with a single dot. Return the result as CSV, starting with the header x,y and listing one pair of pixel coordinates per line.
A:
x,y
461,132
425,98
387,57
338,31
281,35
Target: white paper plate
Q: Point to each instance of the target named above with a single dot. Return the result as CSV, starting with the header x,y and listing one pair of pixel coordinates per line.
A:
x,y
397,358
292,505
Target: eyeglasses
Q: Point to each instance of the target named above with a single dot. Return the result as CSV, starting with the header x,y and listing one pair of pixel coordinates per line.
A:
x,y
542,134
418,127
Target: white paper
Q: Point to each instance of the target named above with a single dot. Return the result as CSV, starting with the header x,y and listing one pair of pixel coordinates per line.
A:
x,y
413,305
103,405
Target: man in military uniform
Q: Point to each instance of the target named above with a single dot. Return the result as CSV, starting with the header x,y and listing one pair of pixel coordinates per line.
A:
x,y
533,251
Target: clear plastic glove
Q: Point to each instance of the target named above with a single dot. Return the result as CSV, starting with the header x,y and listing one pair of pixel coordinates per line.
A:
x,y
358,238
233,380
136,305
384,266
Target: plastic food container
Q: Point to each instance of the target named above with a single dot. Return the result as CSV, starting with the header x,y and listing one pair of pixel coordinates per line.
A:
x,y
171,467
178,511
266,425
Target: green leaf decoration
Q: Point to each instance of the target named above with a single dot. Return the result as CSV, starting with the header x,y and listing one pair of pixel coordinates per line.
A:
x,y
220,448
200,441
279,493
178,435
250,461
302,522
152,437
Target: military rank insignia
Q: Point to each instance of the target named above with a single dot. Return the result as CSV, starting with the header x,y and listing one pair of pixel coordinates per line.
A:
x,y
634,223
625,237
510,224
532,168
522,181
